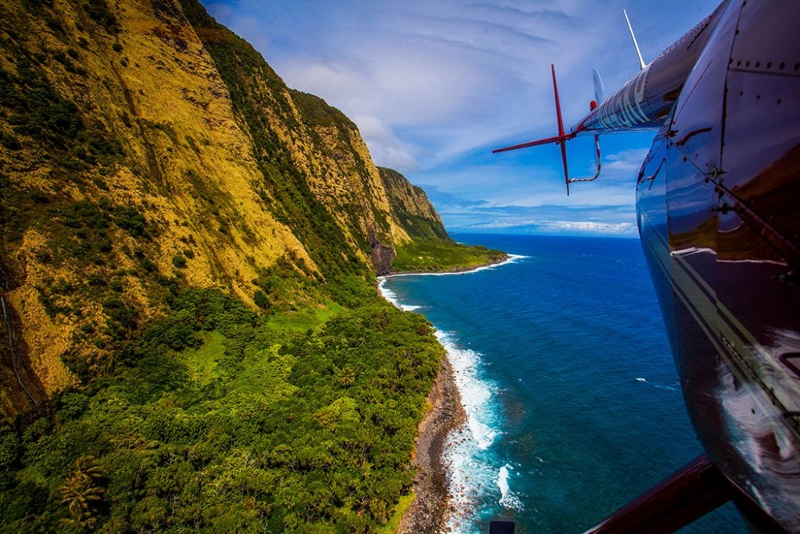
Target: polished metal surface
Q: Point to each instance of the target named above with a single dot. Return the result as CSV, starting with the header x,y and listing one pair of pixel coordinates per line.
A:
x,y
717,203
718,209
647,98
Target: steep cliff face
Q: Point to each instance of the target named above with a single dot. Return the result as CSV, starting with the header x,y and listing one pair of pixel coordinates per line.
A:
x,y
145,149
315,148
361,198
411,207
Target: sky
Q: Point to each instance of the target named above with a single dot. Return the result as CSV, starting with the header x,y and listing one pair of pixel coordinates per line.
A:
x,y
435,85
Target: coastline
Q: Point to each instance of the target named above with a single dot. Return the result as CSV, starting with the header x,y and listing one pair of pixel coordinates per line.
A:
x,y
431,507
508,258
429,510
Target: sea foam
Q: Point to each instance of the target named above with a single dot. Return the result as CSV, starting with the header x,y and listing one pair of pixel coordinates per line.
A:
x,y
473,470
507,498
476,393
512,258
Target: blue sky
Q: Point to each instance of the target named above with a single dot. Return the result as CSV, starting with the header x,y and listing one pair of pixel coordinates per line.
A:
x,y
434,86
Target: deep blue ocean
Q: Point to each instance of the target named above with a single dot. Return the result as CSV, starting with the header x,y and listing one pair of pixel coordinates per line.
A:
x,y
567,379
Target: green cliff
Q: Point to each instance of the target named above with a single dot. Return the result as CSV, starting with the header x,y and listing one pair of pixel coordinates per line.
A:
x,y
192,336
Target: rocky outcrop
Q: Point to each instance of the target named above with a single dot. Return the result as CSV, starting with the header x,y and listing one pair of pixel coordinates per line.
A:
x,y
381,257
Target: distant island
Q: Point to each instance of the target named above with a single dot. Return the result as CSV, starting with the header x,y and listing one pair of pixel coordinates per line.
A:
x,y
192,336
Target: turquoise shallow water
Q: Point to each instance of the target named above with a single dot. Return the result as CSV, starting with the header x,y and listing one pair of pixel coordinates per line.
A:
x,y
567,379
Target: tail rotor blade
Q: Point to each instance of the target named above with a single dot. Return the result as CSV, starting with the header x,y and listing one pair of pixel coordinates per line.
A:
x,y
560,139
563,141
558,103
564,161
549,140
599,91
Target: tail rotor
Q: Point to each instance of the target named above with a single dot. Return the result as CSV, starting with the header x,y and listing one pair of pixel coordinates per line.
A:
x,y
560,139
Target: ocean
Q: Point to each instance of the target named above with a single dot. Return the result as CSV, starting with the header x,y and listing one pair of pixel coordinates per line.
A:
x,y
565,372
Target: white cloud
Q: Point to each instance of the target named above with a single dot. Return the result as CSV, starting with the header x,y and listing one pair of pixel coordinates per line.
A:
x,y
386,149
624,228
317,78
626,163
433,86
560,227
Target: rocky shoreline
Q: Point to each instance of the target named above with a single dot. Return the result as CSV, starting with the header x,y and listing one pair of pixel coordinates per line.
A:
x,y
429,510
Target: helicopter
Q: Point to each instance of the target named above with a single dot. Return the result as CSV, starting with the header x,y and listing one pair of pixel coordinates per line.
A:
x,y
717,208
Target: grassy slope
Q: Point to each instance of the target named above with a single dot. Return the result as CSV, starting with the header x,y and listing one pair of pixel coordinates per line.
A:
x,y
431,248
441,256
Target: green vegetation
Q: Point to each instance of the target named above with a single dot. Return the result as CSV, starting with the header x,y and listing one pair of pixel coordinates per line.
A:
x,y
317,116
179,261
39,115
82,234
394,522
316,112
98,11
408,203
69,144
440,256
419,227
215,420
190,411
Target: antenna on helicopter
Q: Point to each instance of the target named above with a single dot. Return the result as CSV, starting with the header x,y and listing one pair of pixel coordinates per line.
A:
x,y
642,64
